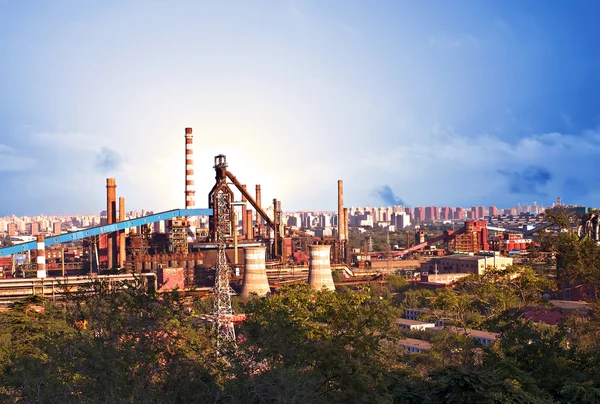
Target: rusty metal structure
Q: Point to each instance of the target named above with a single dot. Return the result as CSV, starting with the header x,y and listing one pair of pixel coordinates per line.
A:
x,y
177,230
145,244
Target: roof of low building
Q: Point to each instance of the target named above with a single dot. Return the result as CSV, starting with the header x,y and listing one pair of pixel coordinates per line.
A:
x,y
406,321
415,343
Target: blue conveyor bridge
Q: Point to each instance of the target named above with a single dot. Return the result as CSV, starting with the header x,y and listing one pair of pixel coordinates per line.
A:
x,y
106,229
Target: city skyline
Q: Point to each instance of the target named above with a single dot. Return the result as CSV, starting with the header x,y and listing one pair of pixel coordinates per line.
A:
x,y
460,104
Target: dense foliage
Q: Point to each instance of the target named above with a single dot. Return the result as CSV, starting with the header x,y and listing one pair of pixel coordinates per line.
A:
x,y
297,346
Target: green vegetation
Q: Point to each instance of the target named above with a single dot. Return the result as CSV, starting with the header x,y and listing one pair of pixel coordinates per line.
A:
x,y
302,346
297,346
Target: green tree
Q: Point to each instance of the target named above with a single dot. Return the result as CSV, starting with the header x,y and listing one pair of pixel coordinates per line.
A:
x,y
327,344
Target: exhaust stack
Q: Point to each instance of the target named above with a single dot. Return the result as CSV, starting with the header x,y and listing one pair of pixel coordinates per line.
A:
x,y
121,233
111,217
259,223
190,191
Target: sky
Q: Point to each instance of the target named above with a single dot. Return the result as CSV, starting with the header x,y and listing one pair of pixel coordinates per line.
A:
x,y
455,103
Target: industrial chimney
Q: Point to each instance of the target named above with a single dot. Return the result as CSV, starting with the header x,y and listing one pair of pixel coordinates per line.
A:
x,y
111,217
255,273
190,191
121,233
319,267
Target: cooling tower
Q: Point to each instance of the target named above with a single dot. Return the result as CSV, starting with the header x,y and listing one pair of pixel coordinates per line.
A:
x,y
255,273
319,268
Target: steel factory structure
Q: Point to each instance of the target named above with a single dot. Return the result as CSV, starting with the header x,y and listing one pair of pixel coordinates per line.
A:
x,y
203,256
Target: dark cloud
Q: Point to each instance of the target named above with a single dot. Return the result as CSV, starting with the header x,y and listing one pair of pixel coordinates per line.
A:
x,y
108,160
388,196
528,180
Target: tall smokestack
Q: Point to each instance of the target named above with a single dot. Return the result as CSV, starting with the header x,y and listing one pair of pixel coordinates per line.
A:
x,y
258,218
41,256
111,217
121,233
346,224
190,191
244,217
250,227
341,230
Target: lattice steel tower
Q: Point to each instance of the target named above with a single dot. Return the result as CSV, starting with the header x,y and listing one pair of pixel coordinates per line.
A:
x,y
222,227
222,305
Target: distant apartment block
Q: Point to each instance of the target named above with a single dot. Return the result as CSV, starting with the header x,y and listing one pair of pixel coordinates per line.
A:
x,y
419,215
56,228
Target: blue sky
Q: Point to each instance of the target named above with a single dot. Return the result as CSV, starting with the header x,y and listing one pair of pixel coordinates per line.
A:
x,y
447,103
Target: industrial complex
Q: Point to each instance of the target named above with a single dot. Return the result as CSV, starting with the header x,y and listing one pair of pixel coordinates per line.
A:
x,y
242,242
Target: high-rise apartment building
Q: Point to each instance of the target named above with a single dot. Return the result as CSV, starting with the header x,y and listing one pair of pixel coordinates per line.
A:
x,y
32,228
446,213
493,211
56,228
431,213
401,220
459,214
419,215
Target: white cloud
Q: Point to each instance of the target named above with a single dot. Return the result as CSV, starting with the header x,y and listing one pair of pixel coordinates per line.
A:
x,y
437,168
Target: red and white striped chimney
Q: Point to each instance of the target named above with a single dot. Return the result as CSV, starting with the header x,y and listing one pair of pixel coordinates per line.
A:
x,y
190,191
41,256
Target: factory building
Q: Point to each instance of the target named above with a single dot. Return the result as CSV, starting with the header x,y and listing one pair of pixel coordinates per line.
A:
x,y
474,239
461,264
